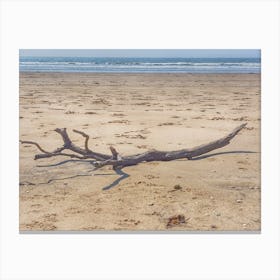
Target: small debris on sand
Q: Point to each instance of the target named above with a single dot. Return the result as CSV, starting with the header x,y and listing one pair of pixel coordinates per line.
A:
x,y
177,187
176,220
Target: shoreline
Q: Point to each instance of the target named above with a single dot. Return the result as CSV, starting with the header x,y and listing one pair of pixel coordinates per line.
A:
x,y
134,73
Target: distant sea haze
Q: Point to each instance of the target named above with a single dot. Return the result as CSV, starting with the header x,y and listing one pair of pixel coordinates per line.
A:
x,y
139,65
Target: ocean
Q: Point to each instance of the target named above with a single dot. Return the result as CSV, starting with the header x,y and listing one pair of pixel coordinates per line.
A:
x,y
139,65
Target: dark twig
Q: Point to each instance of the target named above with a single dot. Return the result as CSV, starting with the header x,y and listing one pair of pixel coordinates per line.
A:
x,y
84,135
36,144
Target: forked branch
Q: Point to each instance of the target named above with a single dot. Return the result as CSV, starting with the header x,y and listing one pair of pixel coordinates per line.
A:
x,y
117,161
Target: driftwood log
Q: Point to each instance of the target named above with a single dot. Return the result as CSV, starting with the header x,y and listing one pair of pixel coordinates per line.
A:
x,y
117,161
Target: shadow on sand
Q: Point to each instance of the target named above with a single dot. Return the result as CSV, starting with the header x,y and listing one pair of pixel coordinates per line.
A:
x,y
120,172
117,181
223,153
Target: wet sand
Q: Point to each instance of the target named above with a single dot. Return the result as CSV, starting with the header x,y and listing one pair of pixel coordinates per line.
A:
x,y
135,113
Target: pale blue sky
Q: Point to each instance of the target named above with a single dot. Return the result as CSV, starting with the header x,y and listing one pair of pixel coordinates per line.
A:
x,y
143,52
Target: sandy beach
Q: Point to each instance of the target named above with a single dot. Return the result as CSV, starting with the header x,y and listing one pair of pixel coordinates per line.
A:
x,y
220,191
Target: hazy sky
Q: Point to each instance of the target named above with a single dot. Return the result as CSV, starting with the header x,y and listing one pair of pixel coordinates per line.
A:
x,y
142,52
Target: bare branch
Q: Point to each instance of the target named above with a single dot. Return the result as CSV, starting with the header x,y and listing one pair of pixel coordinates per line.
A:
x,y
116,161
69,145
63,133
36,144
86,153
155,155
84,135
39,156
114,153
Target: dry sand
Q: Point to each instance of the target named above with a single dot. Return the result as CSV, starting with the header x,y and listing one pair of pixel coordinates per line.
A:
x,y
135,113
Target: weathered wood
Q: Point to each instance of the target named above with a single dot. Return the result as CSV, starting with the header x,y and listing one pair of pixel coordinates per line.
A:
x,y
117,161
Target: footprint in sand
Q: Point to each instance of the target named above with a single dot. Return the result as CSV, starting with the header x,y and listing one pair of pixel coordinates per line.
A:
x,y
167,123
50,217
120,121
118,115
242,168
90,113
38,225
36,205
